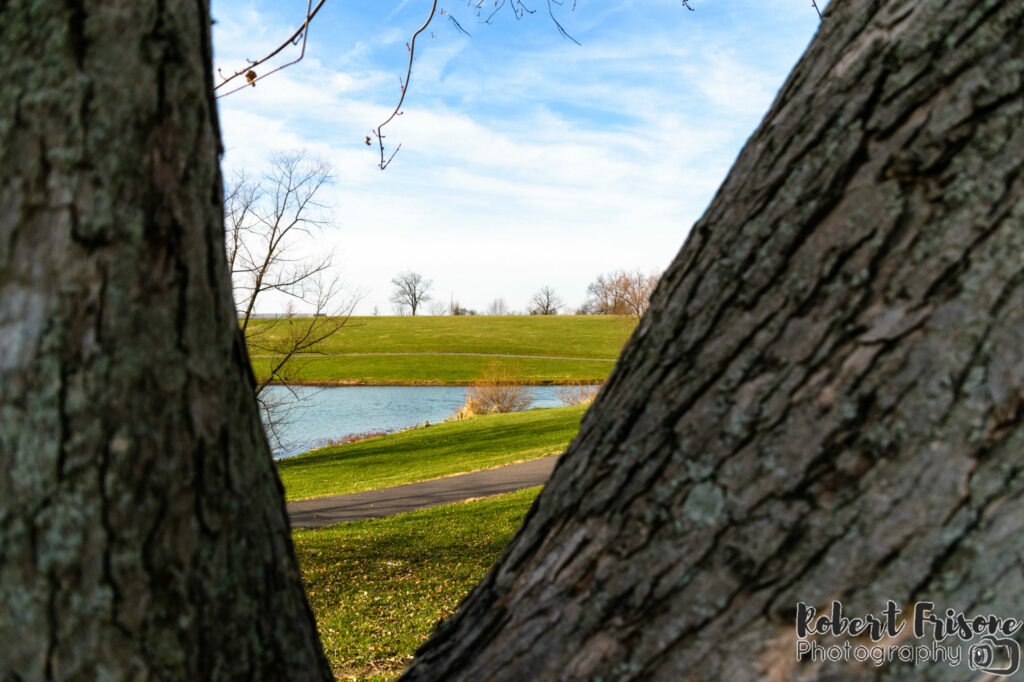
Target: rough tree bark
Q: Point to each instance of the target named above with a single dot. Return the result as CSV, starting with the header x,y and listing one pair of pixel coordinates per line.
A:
x,y
142,525
824,400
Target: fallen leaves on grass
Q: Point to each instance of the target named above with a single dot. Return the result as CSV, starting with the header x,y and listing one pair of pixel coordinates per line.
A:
x,y
379,587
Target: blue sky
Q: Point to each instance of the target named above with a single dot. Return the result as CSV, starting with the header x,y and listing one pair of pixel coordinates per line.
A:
x,y
526,160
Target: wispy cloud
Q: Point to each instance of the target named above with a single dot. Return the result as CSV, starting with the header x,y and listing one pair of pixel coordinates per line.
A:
x,y
526,160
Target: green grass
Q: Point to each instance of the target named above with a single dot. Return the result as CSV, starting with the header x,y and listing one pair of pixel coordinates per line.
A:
x,y
379,587
590,341
421,454
435,369
577,336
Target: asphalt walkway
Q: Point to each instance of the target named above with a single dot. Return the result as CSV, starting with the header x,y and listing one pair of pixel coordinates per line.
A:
x,y
323,511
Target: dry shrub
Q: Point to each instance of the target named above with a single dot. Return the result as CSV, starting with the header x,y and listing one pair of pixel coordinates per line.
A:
x,y
494,392
576,394
355,437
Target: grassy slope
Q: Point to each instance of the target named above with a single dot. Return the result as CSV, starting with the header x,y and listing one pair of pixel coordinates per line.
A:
x,y
594,337
436,369
379,587
578,336
421,454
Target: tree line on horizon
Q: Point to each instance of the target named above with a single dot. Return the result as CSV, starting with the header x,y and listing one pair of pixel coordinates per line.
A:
x,y
621,292
266,216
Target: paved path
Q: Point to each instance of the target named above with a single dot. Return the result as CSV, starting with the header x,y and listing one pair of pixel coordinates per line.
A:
x,y
323,511
479,355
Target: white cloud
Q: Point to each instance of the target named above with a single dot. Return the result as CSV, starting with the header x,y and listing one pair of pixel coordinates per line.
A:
x,y
547,170
732,86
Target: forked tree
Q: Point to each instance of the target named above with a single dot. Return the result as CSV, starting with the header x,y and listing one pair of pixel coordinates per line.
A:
x,y
824,399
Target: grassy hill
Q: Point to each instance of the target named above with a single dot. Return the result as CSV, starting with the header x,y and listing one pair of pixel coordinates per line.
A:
x,y
577,336
439,450
456,350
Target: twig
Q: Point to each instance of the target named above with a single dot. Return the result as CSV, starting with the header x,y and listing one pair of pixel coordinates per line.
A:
x,y
565,34
405,87
519,10
303,32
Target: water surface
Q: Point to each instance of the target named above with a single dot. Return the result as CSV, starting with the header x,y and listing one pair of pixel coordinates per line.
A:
x,y
330,413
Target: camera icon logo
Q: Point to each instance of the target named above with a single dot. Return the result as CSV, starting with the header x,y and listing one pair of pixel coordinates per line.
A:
x,y
982,657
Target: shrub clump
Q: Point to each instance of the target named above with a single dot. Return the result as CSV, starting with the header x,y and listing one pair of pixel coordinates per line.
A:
x,y
576,394
494,393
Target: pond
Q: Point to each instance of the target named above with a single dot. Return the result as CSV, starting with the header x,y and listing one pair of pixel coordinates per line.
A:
x,y
325,414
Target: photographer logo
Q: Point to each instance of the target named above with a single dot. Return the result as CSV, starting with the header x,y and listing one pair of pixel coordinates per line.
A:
x,y
984,642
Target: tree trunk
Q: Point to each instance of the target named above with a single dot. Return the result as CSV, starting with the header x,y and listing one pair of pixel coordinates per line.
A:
x,y
825,398
142,525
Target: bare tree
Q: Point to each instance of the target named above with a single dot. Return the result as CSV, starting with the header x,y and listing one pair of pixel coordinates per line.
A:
x,y
411,290
263,220
546,302
636,292
498,307
620,293
437,308
602,297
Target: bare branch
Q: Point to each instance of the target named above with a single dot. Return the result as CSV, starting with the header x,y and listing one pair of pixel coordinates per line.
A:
x,y
565,34
302,32
282,203
251,77
240,199
456,24
405,87
294,336
519,10
262,217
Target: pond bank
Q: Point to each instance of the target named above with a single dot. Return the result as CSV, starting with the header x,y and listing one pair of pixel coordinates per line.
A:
x,y
324,414
340,383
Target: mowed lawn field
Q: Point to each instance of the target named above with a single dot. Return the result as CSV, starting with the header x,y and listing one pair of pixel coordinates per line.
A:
x,y
439,450
379,587
435,370
454,350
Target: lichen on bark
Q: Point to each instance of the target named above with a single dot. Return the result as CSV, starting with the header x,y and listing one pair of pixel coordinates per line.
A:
x,y
824,399
142,526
